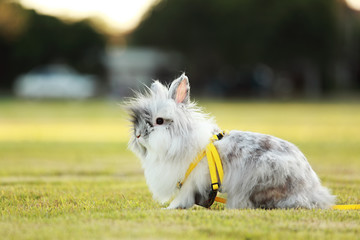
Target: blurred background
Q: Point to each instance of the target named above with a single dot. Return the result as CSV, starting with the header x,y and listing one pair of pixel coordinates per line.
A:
x,y
229,49
288,68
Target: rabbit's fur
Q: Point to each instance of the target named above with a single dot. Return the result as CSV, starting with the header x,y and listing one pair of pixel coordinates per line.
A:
x,y
259,170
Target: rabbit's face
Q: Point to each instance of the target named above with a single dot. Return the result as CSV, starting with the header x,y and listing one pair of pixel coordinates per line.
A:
x,y
160,118
153,125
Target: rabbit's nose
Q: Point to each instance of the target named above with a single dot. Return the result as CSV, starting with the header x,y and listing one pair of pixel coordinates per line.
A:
x,y
137,133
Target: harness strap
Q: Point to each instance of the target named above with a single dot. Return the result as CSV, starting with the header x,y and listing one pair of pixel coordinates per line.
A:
x,y
213,160
215,169
191,167
215,166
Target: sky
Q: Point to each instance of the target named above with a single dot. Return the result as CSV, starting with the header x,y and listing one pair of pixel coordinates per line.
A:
x,y
355,4
118,15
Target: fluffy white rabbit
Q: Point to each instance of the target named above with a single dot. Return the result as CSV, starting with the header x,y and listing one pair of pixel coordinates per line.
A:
x,y
260,171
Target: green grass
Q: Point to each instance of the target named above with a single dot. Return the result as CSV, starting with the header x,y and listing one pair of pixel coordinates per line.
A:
x,y
65,173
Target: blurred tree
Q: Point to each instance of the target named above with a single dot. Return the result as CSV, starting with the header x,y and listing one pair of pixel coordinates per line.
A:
x,y
28,39
242,33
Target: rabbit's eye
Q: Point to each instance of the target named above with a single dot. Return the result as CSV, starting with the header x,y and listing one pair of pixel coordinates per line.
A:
x,y
159,121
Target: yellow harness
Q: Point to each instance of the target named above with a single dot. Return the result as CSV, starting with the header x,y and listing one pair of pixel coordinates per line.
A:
x,y
217,173
215,166
215,169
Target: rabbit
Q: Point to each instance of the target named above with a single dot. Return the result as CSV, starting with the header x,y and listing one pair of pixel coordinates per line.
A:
x,y
260,171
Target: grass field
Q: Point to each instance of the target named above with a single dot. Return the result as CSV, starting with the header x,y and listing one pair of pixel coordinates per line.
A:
x,y
65,173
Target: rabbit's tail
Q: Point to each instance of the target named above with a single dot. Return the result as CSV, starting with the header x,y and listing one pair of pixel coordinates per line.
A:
x,y
322,198
319,197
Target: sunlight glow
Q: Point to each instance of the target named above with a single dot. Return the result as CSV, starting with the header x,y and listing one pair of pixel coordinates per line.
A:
x,y
118,16
354,4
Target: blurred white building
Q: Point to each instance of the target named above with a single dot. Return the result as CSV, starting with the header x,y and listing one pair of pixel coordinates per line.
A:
x,y
132,68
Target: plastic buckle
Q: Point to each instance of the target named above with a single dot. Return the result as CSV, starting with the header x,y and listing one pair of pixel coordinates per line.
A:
x,y
217,186
220,136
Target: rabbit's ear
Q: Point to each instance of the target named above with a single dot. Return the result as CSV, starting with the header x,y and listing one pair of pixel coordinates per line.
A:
x,y
180,90
158,89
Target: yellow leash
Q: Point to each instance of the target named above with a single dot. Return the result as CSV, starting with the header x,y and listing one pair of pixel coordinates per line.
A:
x,y
346,207
336,207
217,172
220,200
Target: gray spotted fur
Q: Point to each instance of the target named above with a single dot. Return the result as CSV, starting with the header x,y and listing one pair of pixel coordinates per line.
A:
x,y
270,173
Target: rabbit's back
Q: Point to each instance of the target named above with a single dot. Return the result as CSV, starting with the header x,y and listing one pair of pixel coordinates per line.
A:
x,y
265,171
